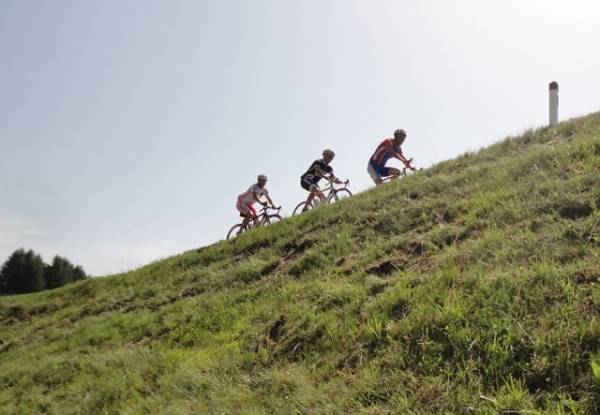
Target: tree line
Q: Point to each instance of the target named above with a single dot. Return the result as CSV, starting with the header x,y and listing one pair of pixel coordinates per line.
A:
x,y
26,272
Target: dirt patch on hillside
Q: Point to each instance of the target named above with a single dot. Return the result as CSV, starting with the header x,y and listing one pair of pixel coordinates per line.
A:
x,y
575,210
388,266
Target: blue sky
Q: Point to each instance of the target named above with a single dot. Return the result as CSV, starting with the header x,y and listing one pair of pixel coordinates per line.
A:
x,y
128,128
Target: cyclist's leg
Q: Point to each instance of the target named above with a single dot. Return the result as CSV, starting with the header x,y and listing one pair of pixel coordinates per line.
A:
x,y
373,171
305,183
320,193
311,195
315,191
252,216
391,171
308,185
246,211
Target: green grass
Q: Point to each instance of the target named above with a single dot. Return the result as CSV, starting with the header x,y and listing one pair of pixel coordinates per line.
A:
x,y
469,287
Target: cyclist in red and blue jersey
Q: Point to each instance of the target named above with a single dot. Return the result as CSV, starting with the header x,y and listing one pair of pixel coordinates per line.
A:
x,y
387,149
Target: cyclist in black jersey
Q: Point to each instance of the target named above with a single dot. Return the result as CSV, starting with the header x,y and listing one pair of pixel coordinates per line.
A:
x,y
317,170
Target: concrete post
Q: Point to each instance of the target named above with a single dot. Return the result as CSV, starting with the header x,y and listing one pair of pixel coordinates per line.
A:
x,y
553,103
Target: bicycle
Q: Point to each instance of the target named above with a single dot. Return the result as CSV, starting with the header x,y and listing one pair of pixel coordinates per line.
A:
x,y
262,219
402,174
334,195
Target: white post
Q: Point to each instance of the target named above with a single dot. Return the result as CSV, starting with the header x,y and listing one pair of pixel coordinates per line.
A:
x,y
553,103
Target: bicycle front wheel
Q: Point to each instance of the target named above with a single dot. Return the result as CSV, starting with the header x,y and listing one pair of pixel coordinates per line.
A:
x,y
300,208
235,231
339,195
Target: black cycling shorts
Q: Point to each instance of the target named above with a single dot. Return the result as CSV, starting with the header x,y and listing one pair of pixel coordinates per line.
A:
x,y
306,182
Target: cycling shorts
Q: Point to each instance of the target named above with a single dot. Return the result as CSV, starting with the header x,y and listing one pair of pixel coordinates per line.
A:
x,y
377,171
244,208
309,182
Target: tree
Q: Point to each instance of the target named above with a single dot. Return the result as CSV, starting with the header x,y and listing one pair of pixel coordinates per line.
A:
x,y
61,272
23,272
78,273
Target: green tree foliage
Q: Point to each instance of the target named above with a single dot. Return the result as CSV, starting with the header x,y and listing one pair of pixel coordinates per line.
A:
x,y
61,272
78,273
23,272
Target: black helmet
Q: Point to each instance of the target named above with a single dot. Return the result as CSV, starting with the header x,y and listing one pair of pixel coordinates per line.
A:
x,y
329,153
399,133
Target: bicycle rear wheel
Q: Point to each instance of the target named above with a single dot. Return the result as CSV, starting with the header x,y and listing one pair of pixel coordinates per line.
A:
x,y
235,231
300,208
339,195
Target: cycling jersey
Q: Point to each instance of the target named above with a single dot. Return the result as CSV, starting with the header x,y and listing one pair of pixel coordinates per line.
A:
x,y
311,173
248,198
385,151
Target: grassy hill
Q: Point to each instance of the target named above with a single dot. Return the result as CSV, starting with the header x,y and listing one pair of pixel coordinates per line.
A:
x,y
470,287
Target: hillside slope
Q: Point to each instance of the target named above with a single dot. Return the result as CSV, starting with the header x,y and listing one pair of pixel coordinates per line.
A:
x,y
470,287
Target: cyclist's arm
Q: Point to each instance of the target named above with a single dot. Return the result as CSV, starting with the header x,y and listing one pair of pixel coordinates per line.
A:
x,y
407,162
257,197
333,178
400,156
319,171
270,201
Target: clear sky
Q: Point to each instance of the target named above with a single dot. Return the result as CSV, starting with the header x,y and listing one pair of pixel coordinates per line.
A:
x,y
129,127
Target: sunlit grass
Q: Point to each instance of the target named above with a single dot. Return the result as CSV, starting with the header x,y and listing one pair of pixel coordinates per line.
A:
x,y
470,287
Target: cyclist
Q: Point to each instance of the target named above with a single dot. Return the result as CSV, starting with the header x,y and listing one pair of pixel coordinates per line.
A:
x,y
317,170
251,196
388,148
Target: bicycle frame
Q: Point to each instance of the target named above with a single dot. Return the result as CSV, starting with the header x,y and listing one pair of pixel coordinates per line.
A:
x,y
331,193
261,218
332,189
402,174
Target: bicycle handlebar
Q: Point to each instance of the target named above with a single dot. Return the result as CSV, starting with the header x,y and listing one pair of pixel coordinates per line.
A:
x,y
332,181
409,166
267,207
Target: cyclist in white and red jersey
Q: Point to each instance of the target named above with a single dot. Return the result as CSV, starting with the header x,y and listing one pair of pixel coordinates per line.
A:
x,y
387,149
251,196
